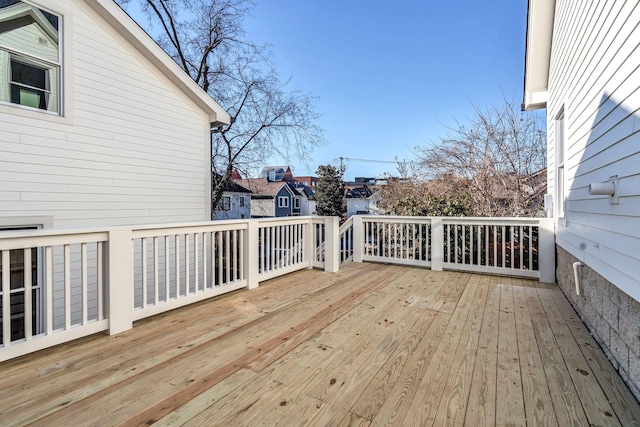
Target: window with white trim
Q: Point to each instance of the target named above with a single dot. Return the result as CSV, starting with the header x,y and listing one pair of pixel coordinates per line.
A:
x,y
283,202
30,61
296,203
560,158
226,203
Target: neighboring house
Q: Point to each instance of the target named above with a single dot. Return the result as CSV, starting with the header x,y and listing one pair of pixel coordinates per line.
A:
x,y
358,201
583,66
307,181
269,199
303,203
277,173
234,204
99,125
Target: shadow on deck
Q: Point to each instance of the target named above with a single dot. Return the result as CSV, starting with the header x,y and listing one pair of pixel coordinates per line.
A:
x,y
372,344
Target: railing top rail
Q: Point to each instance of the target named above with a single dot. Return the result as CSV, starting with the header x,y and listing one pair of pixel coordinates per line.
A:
x,y
183,229
290,219
397,219
33,238
491,221
190,224
453,219
317,219
19,239
345,226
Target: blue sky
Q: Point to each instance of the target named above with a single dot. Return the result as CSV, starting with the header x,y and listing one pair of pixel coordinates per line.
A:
x,y
392,75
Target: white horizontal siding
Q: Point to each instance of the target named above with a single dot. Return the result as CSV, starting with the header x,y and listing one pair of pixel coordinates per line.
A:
x,y
17,38
131,148
595,77
263,208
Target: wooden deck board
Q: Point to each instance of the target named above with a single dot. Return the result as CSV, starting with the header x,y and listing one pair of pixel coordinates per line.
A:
x,y
482,395
618,394
509,398
370,345
453,403
537,400
593,400
426,398
566,403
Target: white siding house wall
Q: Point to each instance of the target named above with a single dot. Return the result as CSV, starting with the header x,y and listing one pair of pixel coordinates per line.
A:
x,y
262,208
235,211
130,147
304,206
357,205
594,78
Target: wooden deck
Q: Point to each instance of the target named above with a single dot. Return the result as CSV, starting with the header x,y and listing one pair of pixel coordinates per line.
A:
x,y
371,345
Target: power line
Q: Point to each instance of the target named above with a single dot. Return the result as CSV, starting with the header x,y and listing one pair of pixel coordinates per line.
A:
x,y
393,162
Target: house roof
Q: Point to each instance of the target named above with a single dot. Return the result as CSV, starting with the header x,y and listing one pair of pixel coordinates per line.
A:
x,y
131,31
232,186
358,193
280,172
262,186
302,190
538,53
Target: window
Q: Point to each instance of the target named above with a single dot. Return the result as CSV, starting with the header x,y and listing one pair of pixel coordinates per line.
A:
x,y
241,201
226,203
29,56
297,203
283,202
18,272
560,154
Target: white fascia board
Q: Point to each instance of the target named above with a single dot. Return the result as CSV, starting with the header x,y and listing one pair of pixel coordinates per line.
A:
x,y
135,35
535,100
538,53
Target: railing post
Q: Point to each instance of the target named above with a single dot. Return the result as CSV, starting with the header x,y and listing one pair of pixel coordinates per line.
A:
x,y
547,251
358,238
119,272
251,253
308,248
437,244
331,244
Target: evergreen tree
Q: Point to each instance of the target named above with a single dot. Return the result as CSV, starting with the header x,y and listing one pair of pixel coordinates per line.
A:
x,y
330,191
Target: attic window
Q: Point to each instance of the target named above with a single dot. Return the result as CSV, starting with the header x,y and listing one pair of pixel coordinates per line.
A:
x,y
29,56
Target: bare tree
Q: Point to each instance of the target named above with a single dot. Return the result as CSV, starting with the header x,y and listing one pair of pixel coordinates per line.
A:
x,y
408,195
501,155
206,38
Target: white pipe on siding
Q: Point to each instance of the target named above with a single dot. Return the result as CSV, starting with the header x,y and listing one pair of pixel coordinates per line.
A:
x,y
576,275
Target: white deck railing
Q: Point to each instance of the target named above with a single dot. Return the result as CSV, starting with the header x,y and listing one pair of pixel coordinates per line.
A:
x,y
508,246
57,277
60,285
346,241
